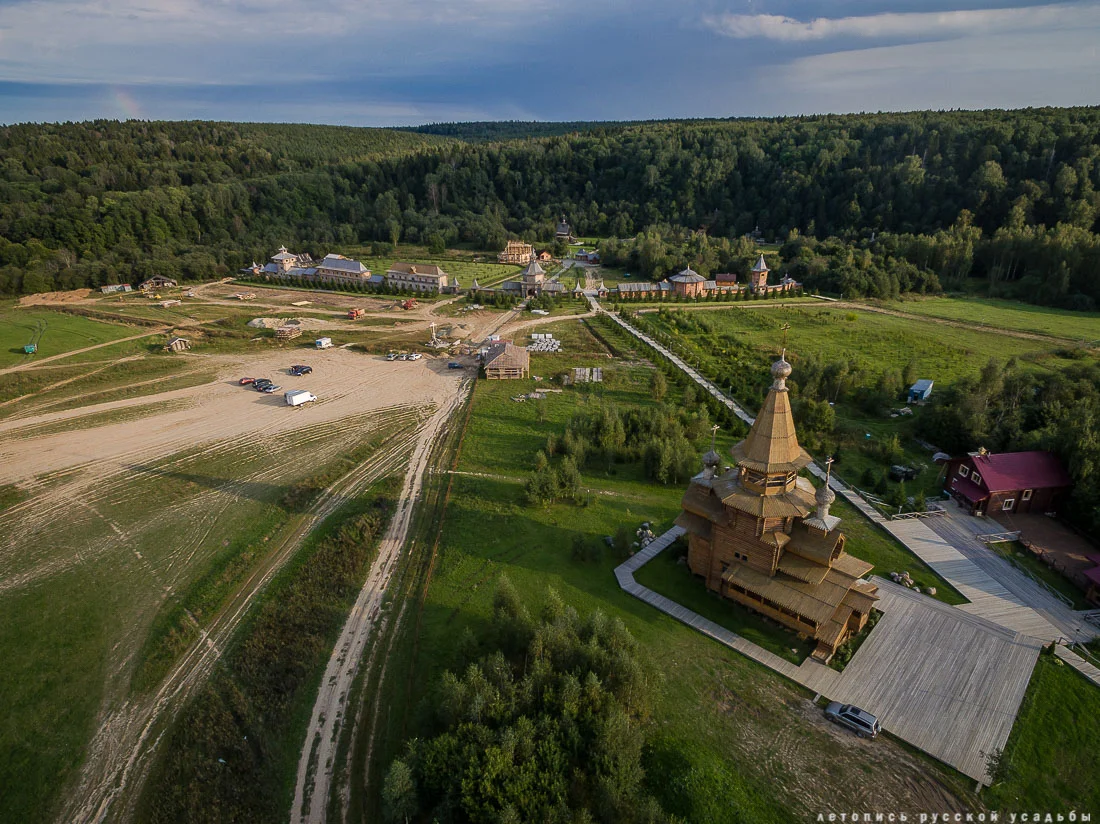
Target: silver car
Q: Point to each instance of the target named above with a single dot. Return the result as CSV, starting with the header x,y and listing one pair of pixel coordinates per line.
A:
x,y
859,721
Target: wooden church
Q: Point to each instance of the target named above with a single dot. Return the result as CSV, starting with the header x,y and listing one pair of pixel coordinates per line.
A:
x,y
760,535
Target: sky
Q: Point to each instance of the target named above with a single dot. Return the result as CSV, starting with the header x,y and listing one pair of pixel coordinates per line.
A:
x,y
405,62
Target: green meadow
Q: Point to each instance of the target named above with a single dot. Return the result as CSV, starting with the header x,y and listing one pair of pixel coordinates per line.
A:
x,y
730,740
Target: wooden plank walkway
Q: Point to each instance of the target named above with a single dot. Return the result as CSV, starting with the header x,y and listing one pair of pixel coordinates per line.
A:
x,y
989,597
945,681
1078,663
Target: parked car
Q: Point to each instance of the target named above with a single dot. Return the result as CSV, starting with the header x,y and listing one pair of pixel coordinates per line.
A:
x,y
415,356
245,381
392,356
270,388
902,473
859,721
261,384
300,369
454,365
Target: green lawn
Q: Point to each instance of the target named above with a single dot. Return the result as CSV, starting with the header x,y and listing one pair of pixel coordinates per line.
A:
x,y
1008,314
56,333
875,342
868,541
1018,555
667,576
731,741
1051,763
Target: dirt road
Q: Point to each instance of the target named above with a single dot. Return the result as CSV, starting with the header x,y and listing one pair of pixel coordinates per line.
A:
x,y
317,763
123,749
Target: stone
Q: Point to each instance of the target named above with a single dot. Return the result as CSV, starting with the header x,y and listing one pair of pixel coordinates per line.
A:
x,y
931,590
916,590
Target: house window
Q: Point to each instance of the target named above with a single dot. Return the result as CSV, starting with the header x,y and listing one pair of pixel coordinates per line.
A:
x,y
976,478
963,470
1027,495
1008,504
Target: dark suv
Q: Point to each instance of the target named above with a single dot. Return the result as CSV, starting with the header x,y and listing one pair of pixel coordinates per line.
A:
x,y
859,721
301,369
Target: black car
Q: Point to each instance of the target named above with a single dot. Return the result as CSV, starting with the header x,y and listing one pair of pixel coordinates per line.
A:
x,y
301,369
902,473
259,384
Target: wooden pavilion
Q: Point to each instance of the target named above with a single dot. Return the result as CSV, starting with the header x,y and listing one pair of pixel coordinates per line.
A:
x,y
506,361
759,535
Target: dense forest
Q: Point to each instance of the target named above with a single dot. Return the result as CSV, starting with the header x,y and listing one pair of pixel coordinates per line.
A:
x,y
544,724
928,198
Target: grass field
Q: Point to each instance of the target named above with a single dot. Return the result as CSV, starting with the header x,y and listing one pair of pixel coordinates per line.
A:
x,y
875,342
735,346
1051,763
1017,554
55,332
1008,314
99,573
466,270
731,741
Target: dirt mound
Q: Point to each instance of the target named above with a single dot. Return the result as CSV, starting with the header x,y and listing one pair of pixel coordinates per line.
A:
x,y
54,298
301,323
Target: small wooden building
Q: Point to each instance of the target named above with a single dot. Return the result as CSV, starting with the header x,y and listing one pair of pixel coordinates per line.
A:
x,y
1019,482
506,361
157,282
177,345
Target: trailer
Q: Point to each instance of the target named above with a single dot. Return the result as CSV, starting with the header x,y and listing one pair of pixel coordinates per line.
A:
x,y
297,397
323,343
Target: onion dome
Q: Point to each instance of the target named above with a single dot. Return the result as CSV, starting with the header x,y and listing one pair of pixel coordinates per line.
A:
x,y
825,496
781,370
712,459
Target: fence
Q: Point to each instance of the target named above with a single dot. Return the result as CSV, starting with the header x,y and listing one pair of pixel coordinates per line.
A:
x,y
998,537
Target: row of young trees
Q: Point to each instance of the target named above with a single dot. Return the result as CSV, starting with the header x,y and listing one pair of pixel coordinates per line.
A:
x,y
661,439
82,204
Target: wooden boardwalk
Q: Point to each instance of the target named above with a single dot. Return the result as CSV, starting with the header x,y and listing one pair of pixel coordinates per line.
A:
x,y
1078,663
994,592
948,682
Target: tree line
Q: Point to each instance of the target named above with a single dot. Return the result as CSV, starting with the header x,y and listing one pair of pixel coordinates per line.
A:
x,y
1008,197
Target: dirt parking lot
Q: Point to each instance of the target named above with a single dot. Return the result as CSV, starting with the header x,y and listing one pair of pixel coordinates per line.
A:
x,y
346,383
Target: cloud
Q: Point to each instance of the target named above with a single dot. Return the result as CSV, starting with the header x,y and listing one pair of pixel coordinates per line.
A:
x,y
908,25
1001,71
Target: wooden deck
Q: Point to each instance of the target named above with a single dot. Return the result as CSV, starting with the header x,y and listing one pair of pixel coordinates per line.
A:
x,y
948,682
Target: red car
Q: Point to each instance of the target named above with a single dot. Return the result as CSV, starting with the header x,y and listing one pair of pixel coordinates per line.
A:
x,y
245,381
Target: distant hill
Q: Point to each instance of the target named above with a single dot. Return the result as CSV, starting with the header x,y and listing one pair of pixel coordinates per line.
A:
x,y
1009,196
490,131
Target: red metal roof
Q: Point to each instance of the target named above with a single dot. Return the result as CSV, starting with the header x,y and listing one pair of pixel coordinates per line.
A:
x,y
968,489
1021,470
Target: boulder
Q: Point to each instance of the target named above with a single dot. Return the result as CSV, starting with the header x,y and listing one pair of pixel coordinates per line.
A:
x,y
931,590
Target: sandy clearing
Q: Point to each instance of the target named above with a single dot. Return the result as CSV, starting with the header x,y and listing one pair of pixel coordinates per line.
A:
x,y
345,383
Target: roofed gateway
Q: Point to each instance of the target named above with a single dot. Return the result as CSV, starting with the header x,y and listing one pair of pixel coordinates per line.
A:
x,y
759,534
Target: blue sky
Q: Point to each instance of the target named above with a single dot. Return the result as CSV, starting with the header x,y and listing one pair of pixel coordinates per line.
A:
x,y
375,63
